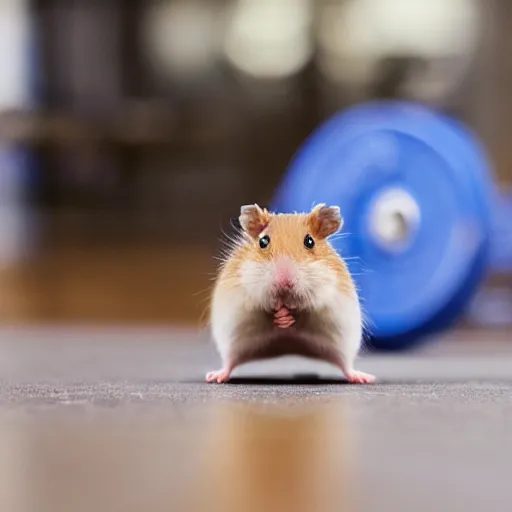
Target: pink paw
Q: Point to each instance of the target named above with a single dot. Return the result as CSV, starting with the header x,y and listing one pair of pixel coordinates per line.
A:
x,y
356,377
220,376
283,319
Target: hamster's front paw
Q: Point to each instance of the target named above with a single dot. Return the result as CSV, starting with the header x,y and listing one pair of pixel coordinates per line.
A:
x,y
283,318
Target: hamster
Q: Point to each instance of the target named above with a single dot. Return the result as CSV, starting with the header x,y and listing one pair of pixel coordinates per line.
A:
x,y
283,290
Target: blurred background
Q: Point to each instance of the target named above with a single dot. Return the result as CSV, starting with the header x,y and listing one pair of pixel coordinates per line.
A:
x,y
132,130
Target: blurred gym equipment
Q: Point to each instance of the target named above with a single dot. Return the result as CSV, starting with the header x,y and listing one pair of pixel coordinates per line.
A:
x,y
267,39
17,54
420,204
430,45
183,39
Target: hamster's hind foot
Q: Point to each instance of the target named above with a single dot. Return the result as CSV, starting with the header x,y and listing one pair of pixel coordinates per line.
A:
x,y
356,377
219,376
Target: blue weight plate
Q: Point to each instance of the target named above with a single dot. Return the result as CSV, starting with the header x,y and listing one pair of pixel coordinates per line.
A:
x,y
369,152
501,246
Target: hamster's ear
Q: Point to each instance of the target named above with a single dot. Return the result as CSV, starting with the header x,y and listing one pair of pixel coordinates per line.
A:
x,y
325,220
253,219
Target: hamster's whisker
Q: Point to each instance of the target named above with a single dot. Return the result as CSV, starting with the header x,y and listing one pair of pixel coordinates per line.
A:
x,y
231,240
201,292
203,319
228,236
337,236
228,248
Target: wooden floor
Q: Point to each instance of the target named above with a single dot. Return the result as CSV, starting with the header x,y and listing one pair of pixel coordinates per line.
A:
x,y
106,285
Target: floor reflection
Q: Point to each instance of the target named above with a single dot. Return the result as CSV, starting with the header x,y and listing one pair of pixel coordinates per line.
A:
x,y
278,459
228,457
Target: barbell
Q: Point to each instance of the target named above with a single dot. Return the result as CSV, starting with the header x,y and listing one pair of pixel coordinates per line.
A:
x,y
423,215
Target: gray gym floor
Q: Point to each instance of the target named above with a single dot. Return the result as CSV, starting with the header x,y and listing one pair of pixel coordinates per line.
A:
x,y
121,420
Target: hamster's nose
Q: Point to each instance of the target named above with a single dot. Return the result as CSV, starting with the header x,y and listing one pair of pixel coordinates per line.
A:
x,y
284,275
284,282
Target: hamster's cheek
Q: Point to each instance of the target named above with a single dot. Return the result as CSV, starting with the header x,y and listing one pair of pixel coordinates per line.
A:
x,y
256,279
319,282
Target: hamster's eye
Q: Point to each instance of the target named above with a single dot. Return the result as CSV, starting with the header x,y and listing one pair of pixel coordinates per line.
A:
x,y
309,243
264,241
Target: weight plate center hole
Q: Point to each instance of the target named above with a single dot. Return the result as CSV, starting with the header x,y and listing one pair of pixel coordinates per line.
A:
x,y
394,219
